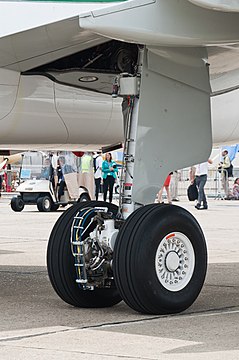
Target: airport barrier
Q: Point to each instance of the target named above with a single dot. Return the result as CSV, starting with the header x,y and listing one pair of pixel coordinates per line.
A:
x,y
213,187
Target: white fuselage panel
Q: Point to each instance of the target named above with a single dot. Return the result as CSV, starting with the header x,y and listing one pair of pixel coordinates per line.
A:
x,y
39,111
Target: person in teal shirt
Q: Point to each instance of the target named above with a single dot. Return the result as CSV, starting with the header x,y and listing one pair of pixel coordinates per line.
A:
x,y
109,174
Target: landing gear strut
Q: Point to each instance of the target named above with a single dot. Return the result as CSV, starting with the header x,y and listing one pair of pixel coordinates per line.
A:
x,y
153,257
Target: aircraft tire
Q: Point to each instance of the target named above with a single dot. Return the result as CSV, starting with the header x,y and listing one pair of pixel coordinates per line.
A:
x,y
17,204
44,204
160,259
61,269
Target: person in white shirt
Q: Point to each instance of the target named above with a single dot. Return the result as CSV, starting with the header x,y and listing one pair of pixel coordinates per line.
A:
x,y
201,179
223,166
97,173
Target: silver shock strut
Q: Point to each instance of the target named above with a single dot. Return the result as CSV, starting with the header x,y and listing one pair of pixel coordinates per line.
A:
x,y
126,204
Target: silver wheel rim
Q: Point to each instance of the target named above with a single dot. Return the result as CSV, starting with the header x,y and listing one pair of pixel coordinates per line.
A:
x,y
47,204
175,261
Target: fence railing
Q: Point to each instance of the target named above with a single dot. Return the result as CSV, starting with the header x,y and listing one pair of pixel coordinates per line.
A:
x,y
213,187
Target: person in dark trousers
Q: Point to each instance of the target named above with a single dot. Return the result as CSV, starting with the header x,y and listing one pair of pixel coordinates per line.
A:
x,y
201,179
0,184
109,173
97,160
61,180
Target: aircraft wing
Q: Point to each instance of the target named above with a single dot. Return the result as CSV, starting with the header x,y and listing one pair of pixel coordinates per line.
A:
x,y
43,54
42,33
25,48
32,48
51,65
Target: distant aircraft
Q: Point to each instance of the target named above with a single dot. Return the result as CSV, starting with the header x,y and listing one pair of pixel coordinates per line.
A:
x,y
173,67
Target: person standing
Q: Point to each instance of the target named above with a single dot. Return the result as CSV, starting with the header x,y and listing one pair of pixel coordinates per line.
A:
x,y
201,179
86,177
60,177
223,168
97,173
192,175
109,173
166,186
235,189
174,185
0,184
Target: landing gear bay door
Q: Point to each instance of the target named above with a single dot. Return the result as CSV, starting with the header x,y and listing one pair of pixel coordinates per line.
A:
x,y
174,113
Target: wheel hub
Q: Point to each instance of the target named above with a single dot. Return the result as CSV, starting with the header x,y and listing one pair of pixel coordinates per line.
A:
x,y
172,261
47,204
175,261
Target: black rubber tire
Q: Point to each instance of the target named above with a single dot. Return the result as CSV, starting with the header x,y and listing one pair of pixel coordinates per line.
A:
x,y
17,204
44,203
134,259
61,269
54,207
84,197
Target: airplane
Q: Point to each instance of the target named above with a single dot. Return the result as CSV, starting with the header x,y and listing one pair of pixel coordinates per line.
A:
x,y
160,75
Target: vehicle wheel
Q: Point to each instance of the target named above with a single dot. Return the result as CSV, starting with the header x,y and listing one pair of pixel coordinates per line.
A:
x,y
54,207
84,197
160,259
44,204
17,204
61,268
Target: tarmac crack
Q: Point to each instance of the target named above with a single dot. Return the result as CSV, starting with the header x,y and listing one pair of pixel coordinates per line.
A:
x,y
23,337
23,273
218,311
19,241
222,286
215,312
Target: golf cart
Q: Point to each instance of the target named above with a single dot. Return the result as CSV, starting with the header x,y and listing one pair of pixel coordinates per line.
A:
x,y
39,183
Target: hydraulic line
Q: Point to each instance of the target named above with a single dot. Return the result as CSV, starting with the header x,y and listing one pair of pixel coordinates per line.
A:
x,y
78,248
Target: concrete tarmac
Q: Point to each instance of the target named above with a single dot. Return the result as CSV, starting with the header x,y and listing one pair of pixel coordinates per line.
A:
x,y
36,324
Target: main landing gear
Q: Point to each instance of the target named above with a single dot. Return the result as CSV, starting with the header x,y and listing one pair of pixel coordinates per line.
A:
x,y
159,259
153,257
